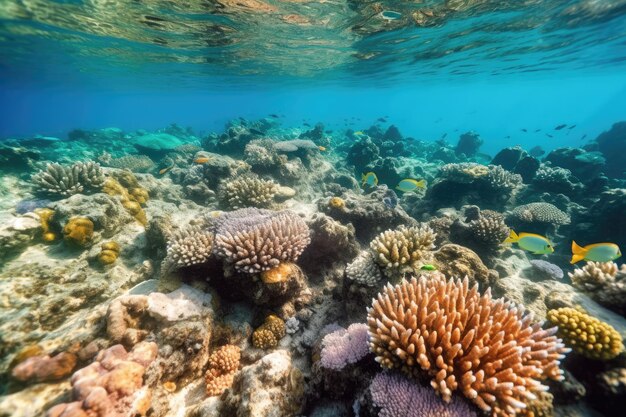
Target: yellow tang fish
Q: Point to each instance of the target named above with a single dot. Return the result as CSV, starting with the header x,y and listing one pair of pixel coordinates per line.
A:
x,y
369,179
531,242
598,252
409,184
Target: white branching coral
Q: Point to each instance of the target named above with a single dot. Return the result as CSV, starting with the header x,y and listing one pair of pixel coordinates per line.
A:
x,y
490,350
364,270
190,246
248,192
605,282
67,180
255,240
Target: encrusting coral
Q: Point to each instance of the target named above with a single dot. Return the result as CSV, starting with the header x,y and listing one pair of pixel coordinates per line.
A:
x,y
587,335
269,333
42,368
191,245
248,192
223,364
605,282
132,195
403,250
255,240
78,231
123,316
109,252
489,350
66,180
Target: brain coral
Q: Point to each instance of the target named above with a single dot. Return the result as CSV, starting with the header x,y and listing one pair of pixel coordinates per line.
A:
x,y
248,192
540,213
254,240
396,395
403,250
189,246
489,350
587,335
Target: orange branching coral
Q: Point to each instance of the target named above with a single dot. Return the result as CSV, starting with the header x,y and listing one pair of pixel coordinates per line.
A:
x,y
223,364
490,350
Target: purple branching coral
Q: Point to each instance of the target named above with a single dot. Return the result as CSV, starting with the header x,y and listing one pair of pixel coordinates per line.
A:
x,y
397,395
344,346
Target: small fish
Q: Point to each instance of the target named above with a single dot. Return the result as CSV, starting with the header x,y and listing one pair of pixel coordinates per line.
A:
x,y
275,116
549,135
256,131
328,131
559,127
598,252
370,179
428,267
409,184
537,130
536,151
524,130
571,127
321,148
584,136
382,120
202,160
531,242
444,136
507,137
166,169
306,124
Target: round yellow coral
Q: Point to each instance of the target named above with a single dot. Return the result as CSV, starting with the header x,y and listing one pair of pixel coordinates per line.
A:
x,y
337,203
78,230
587,335
269,333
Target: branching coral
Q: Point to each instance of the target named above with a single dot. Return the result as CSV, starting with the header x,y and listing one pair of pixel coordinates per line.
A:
x,y
540,213
489,350
556,180
223,365
269,333
587,335
344,346
403,250
248,192
605,282
364,270
67,180
501,180
396,395
190,246
255,240
489,229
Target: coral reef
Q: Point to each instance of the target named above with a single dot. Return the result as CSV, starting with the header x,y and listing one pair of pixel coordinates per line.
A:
x,y
344,346
416,326
78,231
109,252
191,245
248,192
45,368
587,335
269,333
545,213
364,270
255,240
135,163
605,282
223,364
66,180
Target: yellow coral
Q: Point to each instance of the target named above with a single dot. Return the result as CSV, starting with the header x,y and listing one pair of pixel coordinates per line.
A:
x,y
269,333
223,364
45,214
131,194
337,203
587,335
281,273
404,250
78,230
109,253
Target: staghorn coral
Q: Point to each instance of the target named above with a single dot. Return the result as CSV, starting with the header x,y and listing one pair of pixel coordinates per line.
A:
x,y
111,385
540,213
269,333
605,282
364,270
67,180
78,231
223,364
344,346
396,395
248,192
587,335
190,246
489,350
109,252
403,250
254,240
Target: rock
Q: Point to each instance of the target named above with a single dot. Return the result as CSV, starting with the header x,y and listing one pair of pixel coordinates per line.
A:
x,y
44,368
16,233
508,158
468,144
185,303
156,144
583,165
456,261
271,387
612,144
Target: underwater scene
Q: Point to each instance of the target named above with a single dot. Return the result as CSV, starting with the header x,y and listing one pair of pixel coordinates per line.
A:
x,y
299,208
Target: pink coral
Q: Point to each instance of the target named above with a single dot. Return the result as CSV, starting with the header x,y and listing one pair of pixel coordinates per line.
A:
x,y
344,346
111,386
396,395
43,368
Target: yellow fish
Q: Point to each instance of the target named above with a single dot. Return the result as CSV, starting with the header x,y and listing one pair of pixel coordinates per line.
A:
x,y
531,242
321,148
369,179
201,160
598,252
164,170
409,184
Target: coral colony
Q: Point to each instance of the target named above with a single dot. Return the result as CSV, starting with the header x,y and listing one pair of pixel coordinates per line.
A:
x,y
285,271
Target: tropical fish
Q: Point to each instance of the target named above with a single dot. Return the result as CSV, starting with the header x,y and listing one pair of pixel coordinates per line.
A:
x,y
306,124
598,252
531,242
321,148
559,127
201,160
507,137
369,179
524,130
584,136
382,120
537,130
549,135
444,136
409,184
571,127
275,116
428,267
166,169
